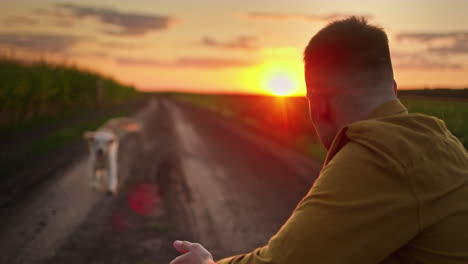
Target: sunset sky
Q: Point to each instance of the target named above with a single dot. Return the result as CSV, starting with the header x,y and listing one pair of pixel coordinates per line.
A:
x,y
240,46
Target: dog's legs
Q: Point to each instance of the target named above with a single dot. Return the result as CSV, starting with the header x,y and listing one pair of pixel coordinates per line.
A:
x,y
112,172
93,177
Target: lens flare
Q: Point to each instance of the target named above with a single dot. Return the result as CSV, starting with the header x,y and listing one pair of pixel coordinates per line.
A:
x,y
143,199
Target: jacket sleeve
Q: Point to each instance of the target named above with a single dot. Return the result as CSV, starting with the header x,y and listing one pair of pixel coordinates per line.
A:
x,y
360,210
259,255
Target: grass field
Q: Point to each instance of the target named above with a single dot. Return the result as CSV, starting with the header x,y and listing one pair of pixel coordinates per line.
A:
x,y
286,119
453,111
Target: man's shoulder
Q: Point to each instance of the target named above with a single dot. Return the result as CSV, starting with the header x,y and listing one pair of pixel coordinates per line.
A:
x,y
406,138
402,123
355,154
357,167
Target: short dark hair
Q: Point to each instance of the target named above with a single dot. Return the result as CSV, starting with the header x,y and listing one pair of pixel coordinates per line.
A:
x,y
350,46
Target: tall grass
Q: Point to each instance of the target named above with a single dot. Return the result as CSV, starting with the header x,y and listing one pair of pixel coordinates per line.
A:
x,y
31,91
454,112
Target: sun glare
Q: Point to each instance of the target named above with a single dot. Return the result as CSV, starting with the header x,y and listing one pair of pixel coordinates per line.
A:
x,y
281,85
281,78
276,77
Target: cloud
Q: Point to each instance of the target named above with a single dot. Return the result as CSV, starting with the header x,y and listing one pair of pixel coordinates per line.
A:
x,y
54,17
428,66
38,42
185,62
16,20
445,43
242,42
140,62
132,24
458,47
300,16
430,36
423,61
118,45
49,12
211,62
88,54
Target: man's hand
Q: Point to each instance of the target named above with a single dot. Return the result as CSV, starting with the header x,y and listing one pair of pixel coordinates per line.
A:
x,y
194,253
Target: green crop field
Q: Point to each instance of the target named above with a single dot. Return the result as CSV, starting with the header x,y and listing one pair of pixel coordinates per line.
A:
x,y
41,91
453,111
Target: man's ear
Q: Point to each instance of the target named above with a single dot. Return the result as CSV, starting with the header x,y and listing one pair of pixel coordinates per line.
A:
x,y
395,87
88,135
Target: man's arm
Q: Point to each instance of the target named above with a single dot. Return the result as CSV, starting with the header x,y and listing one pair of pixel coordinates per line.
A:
x,y
258,256
360,210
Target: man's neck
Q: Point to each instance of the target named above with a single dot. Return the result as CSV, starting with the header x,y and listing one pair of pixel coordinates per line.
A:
x,y
365,108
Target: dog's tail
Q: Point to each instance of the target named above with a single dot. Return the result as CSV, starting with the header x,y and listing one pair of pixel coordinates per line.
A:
x,y
121,126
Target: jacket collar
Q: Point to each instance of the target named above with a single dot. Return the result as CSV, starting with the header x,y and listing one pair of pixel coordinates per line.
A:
x,y
393,107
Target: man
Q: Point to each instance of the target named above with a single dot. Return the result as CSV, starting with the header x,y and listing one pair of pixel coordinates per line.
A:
x,y
394,186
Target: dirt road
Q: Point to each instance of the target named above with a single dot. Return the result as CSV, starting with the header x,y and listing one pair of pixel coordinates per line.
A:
x,y
187,174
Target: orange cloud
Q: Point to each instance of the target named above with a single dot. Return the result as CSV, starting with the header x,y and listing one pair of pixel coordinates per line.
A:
x,y
242,42
300,16
38,42
186,62
430,36
132,24
443,43
422,61
17,20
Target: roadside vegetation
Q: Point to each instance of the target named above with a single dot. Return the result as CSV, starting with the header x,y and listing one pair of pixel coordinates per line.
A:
x,y
35,93
286,119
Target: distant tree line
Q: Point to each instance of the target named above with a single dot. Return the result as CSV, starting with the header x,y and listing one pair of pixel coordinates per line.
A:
x,y
32,90
442,92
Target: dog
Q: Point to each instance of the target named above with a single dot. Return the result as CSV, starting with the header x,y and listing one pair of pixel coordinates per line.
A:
x,y
103,148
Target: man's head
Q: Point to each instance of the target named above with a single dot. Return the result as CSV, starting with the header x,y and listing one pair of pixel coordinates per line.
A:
x,y
348,72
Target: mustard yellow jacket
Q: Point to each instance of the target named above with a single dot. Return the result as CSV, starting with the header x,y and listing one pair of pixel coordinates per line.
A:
x,y
393,189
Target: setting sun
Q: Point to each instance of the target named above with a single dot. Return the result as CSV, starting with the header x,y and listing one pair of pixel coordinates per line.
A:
x,y
281,85
277,76
282,78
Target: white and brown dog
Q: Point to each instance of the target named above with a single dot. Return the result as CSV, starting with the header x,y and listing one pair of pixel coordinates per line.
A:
x,y
103,147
